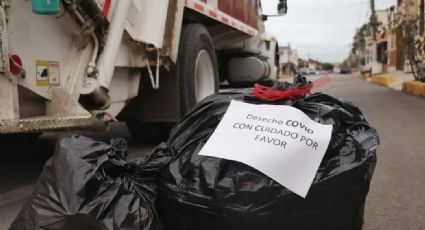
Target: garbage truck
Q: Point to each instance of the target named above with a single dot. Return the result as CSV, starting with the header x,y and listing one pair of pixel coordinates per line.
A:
x,y
75,64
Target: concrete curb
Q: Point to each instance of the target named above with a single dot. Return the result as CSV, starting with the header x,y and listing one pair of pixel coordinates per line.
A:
x,y
385,80
367,76
416,88
413,87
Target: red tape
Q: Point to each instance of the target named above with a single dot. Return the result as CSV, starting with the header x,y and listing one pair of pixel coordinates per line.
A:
x,y
107,7
269,94
321,81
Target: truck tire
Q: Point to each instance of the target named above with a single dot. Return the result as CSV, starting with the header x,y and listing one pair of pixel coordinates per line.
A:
x,y
196,66
197,74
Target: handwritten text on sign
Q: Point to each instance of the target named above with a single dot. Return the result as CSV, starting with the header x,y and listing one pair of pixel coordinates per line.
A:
x,y
280,141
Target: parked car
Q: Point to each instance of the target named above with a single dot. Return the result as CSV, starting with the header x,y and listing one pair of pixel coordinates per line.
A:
x,y
303,71
345,70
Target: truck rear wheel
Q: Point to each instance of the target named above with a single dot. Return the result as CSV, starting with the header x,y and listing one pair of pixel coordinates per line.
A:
x,y
196,66
197,74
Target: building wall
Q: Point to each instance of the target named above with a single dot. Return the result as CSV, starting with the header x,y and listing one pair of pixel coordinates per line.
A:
x,y
284,53
382,16
294,57
375,54
288,60
396,57
395,54
410,10
392,52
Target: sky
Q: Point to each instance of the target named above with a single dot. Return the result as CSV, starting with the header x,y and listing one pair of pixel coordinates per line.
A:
x,y
320,29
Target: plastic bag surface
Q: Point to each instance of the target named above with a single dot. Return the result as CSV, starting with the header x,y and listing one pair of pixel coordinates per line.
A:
x,y
90,185
199,192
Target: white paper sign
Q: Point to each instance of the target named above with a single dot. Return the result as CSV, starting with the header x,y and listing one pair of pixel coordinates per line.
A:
x,y
280,141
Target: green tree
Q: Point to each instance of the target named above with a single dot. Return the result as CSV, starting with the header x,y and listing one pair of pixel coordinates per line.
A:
x,y
328,66
359,40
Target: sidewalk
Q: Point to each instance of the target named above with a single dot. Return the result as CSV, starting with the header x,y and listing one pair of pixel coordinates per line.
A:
x,y
392,80
399,81
399,77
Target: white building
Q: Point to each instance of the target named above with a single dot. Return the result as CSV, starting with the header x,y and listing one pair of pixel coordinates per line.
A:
x,y
377,51
288,60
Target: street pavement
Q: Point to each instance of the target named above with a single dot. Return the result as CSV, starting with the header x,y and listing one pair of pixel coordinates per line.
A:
x,y
396,199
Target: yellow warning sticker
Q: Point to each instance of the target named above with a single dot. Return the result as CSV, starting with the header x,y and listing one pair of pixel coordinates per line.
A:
x,y
42,73
48,73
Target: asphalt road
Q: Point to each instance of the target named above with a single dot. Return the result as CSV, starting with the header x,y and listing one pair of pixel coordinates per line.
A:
x,y
396,199
397,196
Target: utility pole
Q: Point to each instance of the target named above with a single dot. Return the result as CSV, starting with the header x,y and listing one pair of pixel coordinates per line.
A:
x,y
422,17
373,20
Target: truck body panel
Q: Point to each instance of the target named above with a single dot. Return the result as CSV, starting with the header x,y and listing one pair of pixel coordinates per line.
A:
x,y
245,11
102,49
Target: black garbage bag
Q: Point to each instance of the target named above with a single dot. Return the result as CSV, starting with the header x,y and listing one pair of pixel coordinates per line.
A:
x,y
90,185
200,192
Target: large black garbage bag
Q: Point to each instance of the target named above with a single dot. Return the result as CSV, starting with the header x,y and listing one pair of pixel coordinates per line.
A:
x,y
90,185
199,192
